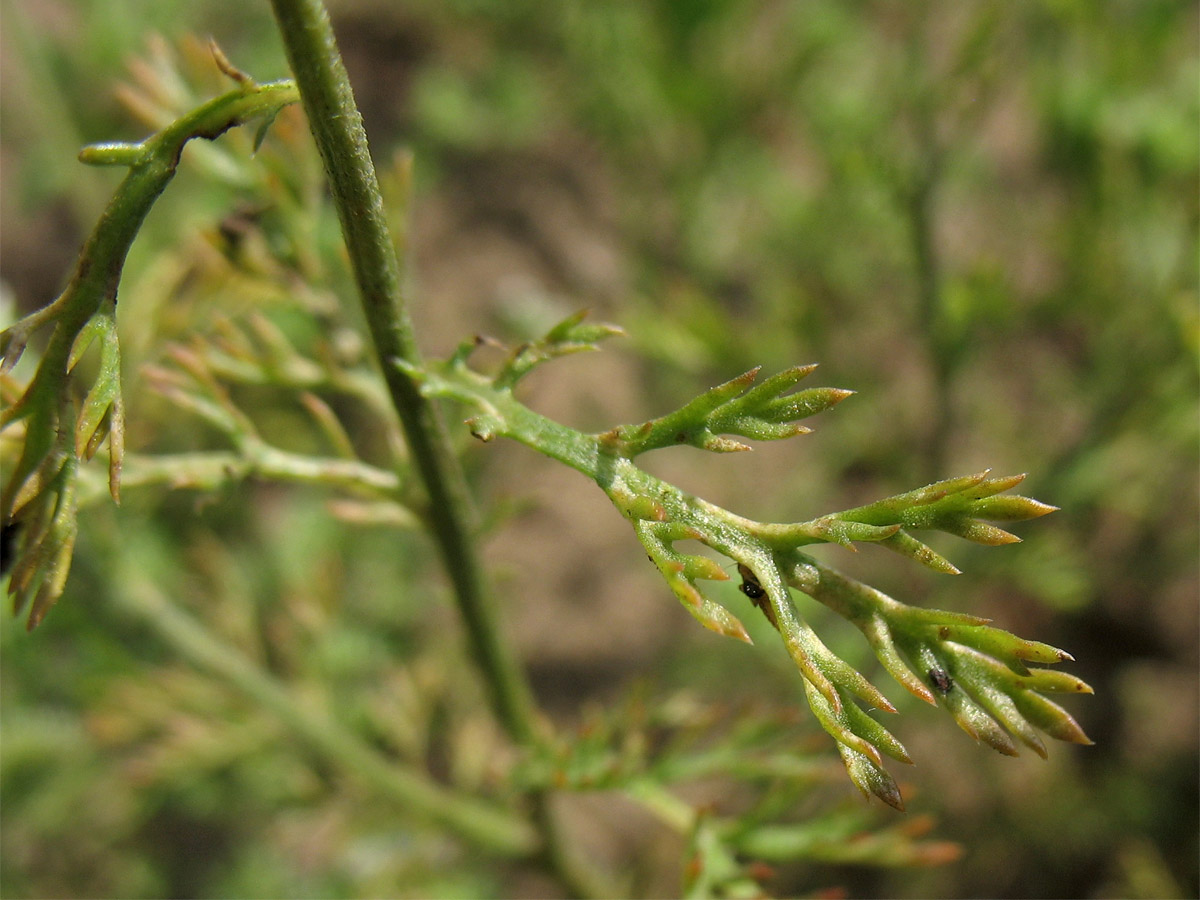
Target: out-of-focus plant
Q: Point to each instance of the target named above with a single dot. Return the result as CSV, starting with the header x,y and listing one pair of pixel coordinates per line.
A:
x,y
38,497
980,674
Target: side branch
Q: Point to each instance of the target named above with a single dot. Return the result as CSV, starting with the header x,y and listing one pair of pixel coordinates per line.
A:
x,y
38,499
978,673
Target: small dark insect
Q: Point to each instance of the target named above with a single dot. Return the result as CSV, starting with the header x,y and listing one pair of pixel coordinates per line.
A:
x,y
750,586
941,680
752,589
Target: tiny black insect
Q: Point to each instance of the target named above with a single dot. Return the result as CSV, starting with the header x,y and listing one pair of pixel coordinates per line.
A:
x,y
941,680
750,586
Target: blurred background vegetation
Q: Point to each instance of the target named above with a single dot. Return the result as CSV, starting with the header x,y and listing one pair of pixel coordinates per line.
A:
x,y
982,217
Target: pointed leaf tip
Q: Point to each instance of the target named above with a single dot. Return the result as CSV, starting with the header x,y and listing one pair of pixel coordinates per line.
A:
x,y
871,779
745,379
1001,483
1010,508
981,533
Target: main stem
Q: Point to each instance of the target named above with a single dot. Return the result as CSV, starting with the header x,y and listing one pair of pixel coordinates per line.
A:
x,y
338,129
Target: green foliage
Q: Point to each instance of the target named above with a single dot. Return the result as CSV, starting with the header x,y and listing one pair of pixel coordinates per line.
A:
x,y
977,672
37,502
951,209
761,413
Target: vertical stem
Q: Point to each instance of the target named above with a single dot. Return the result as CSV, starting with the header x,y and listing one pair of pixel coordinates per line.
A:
x,y
920,202
338,129
930,315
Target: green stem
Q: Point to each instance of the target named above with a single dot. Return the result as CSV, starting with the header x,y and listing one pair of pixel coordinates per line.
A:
x,y
931,316
97,274
919,199
212,470
341,139
152,166
633,490
482,823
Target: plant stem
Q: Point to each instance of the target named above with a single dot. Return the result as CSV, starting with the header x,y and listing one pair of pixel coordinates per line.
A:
x,y
919,201
338,129
152,165
215,470
482,823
